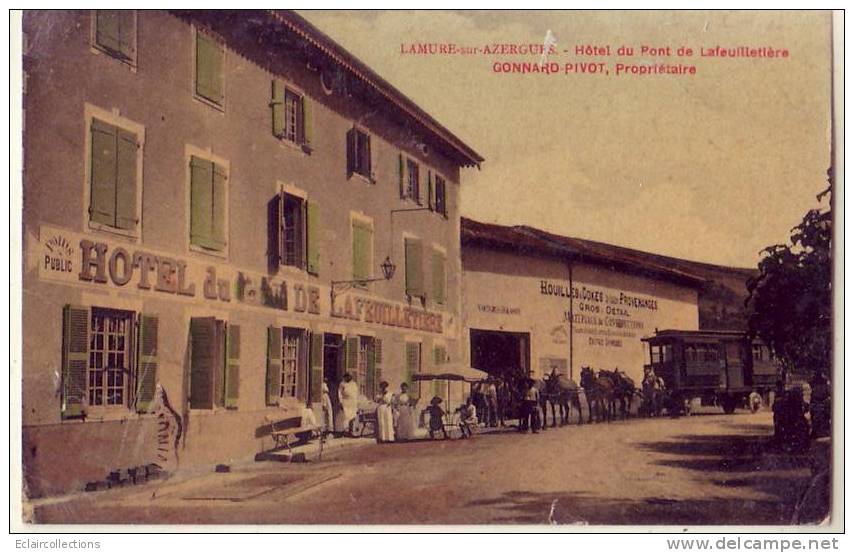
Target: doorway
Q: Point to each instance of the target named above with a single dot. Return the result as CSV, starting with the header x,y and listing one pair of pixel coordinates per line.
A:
x,y
500,353
333,371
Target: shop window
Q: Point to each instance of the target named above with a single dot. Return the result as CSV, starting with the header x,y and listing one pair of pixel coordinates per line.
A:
x,y
114,177
363,250
287,364
359,153
109,360
115,33
292,115
210,69
208,204
439,277
414,272
214,363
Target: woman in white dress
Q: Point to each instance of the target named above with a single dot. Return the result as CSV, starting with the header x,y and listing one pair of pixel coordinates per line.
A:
x,y
385,417
348,395
405,418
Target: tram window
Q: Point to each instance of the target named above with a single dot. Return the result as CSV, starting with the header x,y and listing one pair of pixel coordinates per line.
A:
x,y
758,352
667,352
655,353
690,353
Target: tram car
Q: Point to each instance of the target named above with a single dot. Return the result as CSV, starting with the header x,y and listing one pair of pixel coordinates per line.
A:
x,y
719,367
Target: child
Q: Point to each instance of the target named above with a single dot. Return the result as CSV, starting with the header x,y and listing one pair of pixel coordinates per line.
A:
x,y
468,418
437,415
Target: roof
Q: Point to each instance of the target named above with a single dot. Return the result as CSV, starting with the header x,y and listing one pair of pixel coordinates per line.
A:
x,y
314,44
529,240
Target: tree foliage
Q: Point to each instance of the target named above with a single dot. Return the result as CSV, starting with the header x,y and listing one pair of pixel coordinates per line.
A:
x,y
789,302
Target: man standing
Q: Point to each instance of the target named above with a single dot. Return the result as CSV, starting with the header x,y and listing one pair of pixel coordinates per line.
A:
x,y
490,394
532,406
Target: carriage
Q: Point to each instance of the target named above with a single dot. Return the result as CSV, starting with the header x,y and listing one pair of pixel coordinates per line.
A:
x,y
719,367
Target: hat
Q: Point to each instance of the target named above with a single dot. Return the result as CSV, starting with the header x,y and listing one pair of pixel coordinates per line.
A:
x,y
436,400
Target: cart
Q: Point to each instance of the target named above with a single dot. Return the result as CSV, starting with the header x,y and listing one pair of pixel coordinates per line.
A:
x,y
446,386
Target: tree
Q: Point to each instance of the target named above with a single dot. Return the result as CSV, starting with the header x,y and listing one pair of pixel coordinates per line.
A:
x,y
789,302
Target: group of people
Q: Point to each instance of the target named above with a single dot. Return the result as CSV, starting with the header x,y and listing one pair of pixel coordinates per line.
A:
x,y
792,431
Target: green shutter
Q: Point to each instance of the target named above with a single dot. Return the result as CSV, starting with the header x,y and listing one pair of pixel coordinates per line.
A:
x,y
75,359
313,237
209,68
201,200
362,237
371,369
103,173
107,30
414,269
413,355
351,354
439,279
277,104
274,363
146,377
401,173
219,208
302,366
126,180
316,367
307,121
203,360
232,366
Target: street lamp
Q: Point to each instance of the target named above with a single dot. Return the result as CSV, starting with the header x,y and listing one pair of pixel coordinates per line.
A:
x,y
388,267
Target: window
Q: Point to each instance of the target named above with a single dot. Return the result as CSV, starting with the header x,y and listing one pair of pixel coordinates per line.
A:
x,y
293,250
287,364
691,354
291,115
412,181
667,353
359,153
208,199
362,362
210,78
439,278
214,363
655,354
115,33
414,269
109,360
440,204
412,365
363,249
113,176
758,352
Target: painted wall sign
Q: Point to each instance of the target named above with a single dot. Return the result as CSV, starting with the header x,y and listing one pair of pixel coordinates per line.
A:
x,y
357,308
500,309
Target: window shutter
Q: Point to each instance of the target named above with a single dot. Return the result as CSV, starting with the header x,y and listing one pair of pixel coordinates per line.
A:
x,y
202,362
401,171
414,271
302,366
430,195
351,152
313,237
274,363
370,370
416,192
277,105
232,366
107,29
352,354
209,67
362,236
127,33
103,173
75,359
126,180
146,372
307,123
219,208
439,279
201,200
413,354
275,230
316,367
441,196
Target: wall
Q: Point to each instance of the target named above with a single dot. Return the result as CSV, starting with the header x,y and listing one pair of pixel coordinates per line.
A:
x,y
65,74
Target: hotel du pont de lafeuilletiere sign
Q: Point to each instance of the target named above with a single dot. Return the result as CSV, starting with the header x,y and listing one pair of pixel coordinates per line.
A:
x,y
81,259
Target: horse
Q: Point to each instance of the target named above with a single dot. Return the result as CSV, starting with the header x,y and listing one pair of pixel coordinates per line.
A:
x,y
563,392
599,390
624,391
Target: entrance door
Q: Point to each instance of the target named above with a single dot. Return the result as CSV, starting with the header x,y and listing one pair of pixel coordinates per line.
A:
x,y
333,370
500,353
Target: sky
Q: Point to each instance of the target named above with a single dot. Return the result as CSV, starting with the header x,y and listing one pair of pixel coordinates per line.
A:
x,y
711,167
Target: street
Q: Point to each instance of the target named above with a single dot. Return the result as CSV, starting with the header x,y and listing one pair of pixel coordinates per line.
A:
x,y
704,469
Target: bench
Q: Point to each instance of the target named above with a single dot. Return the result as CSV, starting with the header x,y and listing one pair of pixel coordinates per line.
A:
x,y
286,432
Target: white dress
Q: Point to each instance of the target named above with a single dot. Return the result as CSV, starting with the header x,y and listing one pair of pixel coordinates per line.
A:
x,y
405,418
385,418
348,393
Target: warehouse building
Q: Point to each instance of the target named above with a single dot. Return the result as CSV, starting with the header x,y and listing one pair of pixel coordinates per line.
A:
x,y
222,210
536,302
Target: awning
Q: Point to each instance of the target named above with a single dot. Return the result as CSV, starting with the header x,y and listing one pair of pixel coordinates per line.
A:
x,y
466,374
